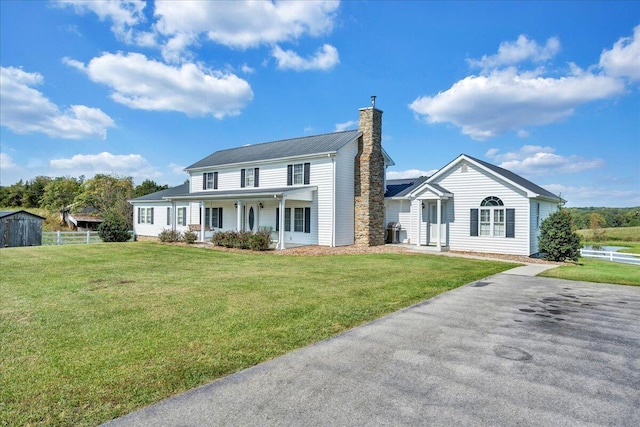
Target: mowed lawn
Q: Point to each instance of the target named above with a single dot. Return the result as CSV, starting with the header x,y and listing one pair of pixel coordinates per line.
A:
x,y
92,332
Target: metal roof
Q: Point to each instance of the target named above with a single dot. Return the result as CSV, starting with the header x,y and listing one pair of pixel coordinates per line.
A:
x,y
9,213
303,146
158,196
402,187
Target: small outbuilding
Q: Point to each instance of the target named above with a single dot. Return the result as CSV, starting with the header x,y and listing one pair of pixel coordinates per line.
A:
x,y
20,228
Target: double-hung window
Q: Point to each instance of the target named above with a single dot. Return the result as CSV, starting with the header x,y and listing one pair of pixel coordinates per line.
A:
x,y
210,181
145,215
298,174
249,177
182,216
213,217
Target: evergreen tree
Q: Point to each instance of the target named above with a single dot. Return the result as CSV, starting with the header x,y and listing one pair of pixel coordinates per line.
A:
x,y
558,241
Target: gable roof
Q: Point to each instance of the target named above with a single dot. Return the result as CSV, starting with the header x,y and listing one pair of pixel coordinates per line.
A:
x,y
4,214
504,174
158,196
303,146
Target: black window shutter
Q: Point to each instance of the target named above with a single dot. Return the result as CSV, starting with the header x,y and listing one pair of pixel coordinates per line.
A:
x,y
184,216
307,173
168,216
256,176
289,174
215,180
151,215
139,214
219,217
242,177
204,181
511,223
200,216
474,222
277,219
307,220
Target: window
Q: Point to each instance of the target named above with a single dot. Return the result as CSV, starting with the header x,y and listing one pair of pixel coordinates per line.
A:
x,y
145,215
182,216
210,181
168,216
492,219
213,217
298,220
298,174
249,177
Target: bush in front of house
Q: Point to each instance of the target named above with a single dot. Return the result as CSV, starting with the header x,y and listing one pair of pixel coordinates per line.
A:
x,y
170,236
242,240
113,228
190,236
558,241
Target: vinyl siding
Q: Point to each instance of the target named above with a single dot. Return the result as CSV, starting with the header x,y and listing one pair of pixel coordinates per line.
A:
x,y
345,198
469,189
546,209
159,218
399,211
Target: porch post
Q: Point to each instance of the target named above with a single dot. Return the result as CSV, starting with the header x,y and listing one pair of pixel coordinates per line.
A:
x,y
239,215
173,216
202,221
439,221
419,222
281,225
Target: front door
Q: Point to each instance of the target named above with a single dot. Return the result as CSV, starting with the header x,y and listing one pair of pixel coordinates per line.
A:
x,y
251,218
433,224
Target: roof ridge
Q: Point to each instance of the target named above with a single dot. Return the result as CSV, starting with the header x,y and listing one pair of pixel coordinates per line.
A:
x,y
284,140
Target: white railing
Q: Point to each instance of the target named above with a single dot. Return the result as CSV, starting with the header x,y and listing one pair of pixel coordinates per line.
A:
x,y
611,256
69,237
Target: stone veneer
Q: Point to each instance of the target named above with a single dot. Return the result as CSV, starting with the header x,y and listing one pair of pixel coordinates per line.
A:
x,y
369,180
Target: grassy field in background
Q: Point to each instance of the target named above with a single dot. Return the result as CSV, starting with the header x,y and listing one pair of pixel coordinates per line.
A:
x,y
92,332
619,236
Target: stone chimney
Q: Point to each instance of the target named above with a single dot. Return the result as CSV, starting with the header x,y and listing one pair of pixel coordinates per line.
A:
x,y
369,179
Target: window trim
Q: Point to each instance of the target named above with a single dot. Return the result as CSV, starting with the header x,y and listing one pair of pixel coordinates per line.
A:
x,y
145,215
492,219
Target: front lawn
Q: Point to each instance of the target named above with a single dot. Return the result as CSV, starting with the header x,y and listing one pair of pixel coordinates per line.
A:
x,y
92,332
597,270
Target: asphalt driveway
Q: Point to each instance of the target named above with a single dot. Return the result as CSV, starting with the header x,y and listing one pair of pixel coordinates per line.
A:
x,y
508,350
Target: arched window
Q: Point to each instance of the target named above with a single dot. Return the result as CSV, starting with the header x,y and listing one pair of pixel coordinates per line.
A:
x,y
492,201
492,219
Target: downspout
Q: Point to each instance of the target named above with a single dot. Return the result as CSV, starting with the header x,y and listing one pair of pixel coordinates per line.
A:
x,y
333,202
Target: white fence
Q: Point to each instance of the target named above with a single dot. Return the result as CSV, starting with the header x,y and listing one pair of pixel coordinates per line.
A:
x,y
69,237
611,256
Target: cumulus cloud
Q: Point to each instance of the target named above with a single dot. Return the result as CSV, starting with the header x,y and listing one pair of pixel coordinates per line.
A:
x,y
325,58
523,49
133,165
6,162
346,125
123,15
537,160
505,98
623,60
241,24
508,100
145,84
410,173
584,196
24,109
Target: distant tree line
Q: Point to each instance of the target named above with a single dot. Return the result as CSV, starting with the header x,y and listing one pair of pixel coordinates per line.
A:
x,y
585,218
107,194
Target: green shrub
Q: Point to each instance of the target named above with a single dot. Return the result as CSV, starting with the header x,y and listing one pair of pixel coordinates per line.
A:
x,y
190,236
242,240
114,228
558,241
170,236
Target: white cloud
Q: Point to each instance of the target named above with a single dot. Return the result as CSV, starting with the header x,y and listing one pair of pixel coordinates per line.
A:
x,y
247,69
24,109
537,160
145,84
346,125
177,169
133,165
521,50
241,24
594,196
325,58
6,162
410,173
123,14
507,100
623,60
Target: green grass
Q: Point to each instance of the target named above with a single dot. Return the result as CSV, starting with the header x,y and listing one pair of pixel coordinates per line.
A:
x,y
92,332
618,236
599,271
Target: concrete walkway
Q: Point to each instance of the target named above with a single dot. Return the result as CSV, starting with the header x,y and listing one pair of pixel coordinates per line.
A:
x,y
503,351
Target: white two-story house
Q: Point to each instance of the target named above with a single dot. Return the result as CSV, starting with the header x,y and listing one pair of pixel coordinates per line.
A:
x,y
331,190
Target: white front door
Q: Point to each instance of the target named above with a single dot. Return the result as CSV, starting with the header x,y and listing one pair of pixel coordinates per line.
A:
x,y
433,224
251,217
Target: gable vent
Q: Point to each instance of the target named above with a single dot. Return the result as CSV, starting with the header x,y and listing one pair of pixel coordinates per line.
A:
x,y
464,168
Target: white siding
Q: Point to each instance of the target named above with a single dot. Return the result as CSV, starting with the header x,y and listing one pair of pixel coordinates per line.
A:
x,y
469,189
546,209
399,211
345,194
159,218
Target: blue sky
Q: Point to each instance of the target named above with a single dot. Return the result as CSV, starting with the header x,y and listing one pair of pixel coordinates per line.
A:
x,y
549,90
